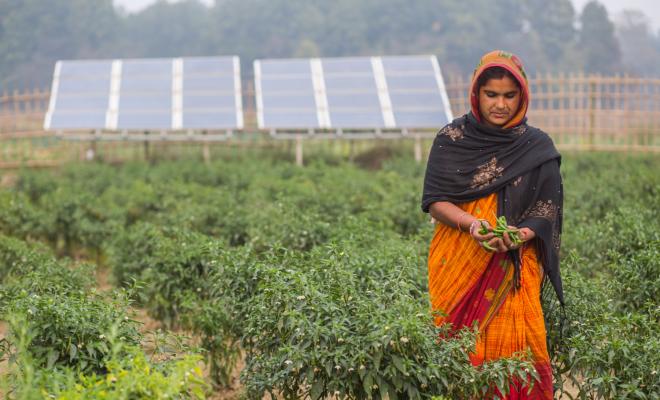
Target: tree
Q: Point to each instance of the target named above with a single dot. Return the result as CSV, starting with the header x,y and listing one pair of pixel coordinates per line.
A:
x,y
166,30
600,49
640,50
36,33
553,21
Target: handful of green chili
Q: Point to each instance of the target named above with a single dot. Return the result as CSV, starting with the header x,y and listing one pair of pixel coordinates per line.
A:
x,y
500,229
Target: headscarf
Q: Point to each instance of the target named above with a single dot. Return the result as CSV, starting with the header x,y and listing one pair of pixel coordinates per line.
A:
x,y
512,64
470,160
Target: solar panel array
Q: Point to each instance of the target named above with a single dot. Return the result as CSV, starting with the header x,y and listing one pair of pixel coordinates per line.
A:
x,y
204,93
351,93
146,94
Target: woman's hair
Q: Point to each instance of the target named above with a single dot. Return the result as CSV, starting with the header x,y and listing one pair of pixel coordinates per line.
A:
x,y
495,73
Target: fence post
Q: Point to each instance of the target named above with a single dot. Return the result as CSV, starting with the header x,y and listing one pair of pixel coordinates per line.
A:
x,y
206,153
146,150
418,148
592,109
299,151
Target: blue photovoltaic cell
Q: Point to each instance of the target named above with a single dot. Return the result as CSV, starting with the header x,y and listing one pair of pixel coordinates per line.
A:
x,y
209,101
129,103
87,85
73,103
80,69
421,119
298,101
347,66
209,93
352,101
144,85
357,119
208,66
414,92
420,100
78,120
414,82
285,67
287,94
407,64
338,84
298,119
287,85
208,84
152,120
146,68
209,120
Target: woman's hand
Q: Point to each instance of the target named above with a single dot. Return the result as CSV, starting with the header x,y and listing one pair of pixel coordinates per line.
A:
x,y
499,244
485,239
524,234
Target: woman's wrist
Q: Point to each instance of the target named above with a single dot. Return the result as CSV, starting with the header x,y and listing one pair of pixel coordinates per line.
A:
x,y
464,221
526,234
474,225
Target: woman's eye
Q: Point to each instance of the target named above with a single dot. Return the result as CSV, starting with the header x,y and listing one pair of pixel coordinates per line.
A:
x,y
510,95
491,94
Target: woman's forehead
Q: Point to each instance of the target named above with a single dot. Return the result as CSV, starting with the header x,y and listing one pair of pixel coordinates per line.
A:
x,y
504,84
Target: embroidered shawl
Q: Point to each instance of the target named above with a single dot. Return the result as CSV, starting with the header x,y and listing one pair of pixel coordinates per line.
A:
x,y
469,160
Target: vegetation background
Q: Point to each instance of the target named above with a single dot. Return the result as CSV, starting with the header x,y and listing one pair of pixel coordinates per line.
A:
x,y
549,35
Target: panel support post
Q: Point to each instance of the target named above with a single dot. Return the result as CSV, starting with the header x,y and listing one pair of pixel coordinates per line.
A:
x,y
90,154
145,145
299,151
206,153
351,150
418,149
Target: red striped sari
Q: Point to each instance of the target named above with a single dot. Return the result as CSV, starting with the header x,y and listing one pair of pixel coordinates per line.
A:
x,y
468,284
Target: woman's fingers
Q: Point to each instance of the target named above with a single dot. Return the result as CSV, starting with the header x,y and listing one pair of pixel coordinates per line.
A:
x,y
481,237
496,244
507,240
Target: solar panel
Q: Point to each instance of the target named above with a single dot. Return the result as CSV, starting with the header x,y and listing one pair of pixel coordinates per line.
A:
x,y
146,94
352,92
285,94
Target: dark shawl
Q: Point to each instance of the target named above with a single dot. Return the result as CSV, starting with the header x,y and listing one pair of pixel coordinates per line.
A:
x,y
470,160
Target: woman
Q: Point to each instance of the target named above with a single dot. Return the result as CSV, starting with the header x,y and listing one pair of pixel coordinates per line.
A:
x,y
487,164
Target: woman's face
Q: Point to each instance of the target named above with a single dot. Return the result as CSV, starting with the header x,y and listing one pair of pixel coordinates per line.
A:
x,y
499,100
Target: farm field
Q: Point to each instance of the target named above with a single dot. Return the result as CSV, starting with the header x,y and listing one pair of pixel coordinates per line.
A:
x,y
162,280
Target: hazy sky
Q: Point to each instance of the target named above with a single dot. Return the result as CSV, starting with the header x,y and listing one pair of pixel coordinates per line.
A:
x,y
650,7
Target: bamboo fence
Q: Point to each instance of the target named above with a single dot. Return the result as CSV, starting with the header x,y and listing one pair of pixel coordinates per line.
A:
x,y
587,111
582,112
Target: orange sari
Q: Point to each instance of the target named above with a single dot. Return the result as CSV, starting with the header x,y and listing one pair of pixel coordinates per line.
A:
x,y
468,284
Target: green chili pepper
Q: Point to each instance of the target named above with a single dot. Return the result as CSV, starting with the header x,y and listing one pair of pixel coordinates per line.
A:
x,y
487,246
500,229
484,228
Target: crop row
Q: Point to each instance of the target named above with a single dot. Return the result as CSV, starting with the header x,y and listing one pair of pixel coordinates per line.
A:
x,y
318,274
68,341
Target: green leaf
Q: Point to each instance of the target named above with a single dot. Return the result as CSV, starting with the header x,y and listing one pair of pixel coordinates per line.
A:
x,y
53,355
73,351
317,390
368,382
398,363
